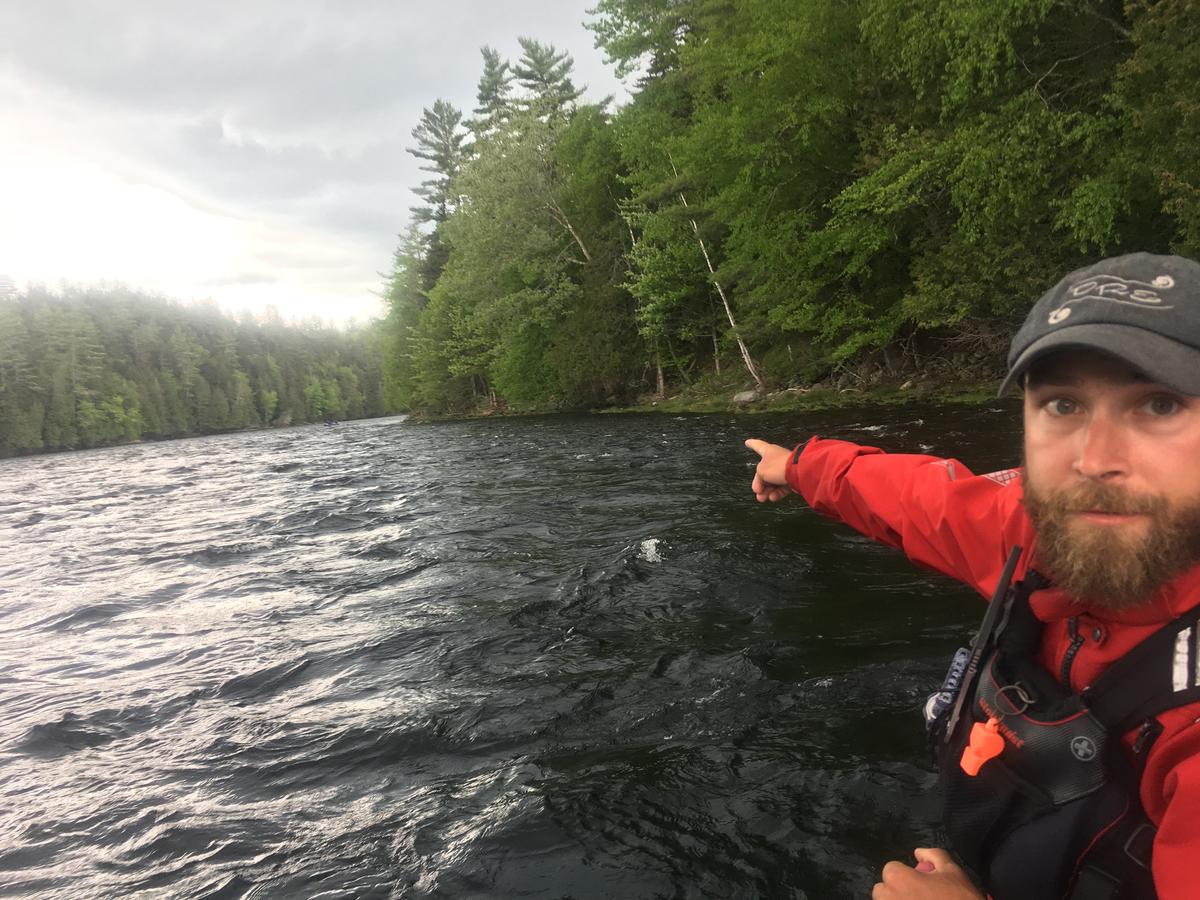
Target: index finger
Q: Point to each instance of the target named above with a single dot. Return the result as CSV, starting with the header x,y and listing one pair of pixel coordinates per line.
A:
x,y
757,445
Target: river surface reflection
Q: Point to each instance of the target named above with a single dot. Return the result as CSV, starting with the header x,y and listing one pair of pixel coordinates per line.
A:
x,y
518,658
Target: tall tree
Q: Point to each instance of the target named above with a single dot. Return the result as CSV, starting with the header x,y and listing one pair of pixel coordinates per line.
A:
x,y
545,73
441,143
642,34
494,103
440,140
528,292
406,295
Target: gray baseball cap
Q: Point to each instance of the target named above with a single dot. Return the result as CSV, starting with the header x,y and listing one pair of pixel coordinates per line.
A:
x,y
1142,308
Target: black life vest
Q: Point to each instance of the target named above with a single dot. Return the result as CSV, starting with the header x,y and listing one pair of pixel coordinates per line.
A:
x,y
1056,816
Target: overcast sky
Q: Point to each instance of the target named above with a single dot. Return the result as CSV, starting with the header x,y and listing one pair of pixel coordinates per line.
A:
x,y
251,151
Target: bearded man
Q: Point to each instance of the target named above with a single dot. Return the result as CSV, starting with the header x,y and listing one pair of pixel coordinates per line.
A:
x,y
1069,743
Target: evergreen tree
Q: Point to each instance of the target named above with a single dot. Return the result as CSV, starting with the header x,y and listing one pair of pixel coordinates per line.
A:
x,y
406,295
439,140
545,74
22,411
494,103
87,368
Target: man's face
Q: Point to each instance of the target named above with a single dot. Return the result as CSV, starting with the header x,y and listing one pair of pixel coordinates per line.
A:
x,y
1112,478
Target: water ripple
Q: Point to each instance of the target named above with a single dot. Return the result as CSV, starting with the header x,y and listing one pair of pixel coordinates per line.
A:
x,y
565,658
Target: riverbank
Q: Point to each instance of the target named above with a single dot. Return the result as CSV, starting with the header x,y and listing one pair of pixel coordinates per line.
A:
x,y
717,393
730,393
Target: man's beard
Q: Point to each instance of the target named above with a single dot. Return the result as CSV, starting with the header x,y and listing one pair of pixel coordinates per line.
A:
x,y
1108,567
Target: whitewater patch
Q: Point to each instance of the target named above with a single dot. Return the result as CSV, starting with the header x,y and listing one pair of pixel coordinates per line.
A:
x,y
648,550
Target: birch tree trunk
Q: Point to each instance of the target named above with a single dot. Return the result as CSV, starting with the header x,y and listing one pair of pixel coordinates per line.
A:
x,y
560,217
737,335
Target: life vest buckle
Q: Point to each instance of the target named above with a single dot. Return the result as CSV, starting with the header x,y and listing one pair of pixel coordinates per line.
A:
x,y
1140,844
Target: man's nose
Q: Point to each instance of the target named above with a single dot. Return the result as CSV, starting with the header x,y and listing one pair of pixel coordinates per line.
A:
x,y
1102,449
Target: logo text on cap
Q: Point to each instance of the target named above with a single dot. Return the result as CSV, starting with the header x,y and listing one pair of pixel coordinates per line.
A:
x,y
1115,289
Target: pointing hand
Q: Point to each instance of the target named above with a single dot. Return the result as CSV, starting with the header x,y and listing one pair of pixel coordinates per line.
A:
x,y
770,482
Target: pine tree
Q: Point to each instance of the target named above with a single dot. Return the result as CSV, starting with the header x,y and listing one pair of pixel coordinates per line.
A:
x,y
21,409
440,143
545,73
495,104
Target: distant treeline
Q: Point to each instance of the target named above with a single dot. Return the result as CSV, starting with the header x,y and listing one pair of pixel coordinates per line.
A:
x,y
86,368
794,188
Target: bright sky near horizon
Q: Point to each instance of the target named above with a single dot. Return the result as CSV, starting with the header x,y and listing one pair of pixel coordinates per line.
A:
x,y
253,152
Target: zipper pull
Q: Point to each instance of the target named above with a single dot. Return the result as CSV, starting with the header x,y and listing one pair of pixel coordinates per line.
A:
x,y
986,743
1064,675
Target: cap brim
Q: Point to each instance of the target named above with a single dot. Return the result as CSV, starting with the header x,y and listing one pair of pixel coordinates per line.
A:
x,y
1170,363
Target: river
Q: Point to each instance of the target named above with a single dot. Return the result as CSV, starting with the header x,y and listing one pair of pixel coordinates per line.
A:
x,y
562,657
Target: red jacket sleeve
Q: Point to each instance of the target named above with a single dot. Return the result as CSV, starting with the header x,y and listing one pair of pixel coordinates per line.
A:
x,y
935,510
1171,797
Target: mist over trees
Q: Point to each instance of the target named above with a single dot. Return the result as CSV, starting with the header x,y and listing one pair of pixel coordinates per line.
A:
x,y
793,190
85,368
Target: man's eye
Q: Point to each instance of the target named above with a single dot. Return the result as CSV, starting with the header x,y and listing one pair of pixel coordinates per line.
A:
x,y
1061,406
1161,405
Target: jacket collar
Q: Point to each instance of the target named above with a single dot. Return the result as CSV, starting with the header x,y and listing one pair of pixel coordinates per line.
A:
x,y
1172,600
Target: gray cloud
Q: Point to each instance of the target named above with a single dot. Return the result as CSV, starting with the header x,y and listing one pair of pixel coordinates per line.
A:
x,y
288,110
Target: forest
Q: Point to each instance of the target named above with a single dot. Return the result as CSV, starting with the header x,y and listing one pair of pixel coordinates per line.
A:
x,y
85,368
793,190
793,193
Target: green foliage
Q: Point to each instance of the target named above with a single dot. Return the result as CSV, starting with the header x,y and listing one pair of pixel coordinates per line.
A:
x,y
439,140
872,178
1157,96
545,74
520,372
633,32
527,286
596,354
959,53
493,97
89,368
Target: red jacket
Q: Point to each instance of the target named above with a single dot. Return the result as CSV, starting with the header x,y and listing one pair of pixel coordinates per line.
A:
x,y
964,525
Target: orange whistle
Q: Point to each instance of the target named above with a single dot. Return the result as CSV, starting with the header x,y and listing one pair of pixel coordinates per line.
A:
x,y
986,743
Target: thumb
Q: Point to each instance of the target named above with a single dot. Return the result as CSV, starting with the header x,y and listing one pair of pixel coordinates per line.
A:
x,y
933,857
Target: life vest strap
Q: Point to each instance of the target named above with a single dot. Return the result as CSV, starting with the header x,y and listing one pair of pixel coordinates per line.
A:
x,y
1123,860
1160,673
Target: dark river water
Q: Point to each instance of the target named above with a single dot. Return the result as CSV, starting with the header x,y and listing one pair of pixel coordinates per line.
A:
x,y
515,658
